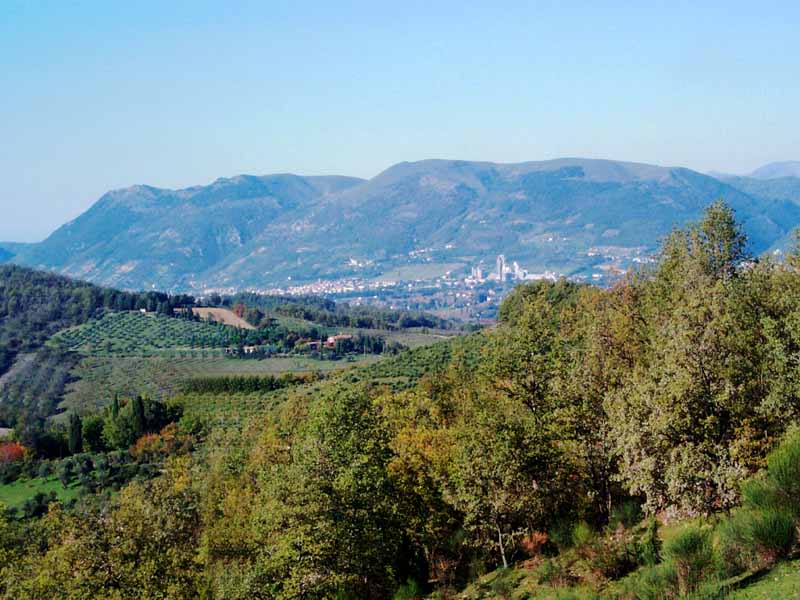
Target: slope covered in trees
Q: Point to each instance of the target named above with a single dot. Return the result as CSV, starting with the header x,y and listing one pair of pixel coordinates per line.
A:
x,y
258,309
536,445
255,232
35,305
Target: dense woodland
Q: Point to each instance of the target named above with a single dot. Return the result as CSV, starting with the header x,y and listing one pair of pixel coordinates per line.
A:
x,y
258,309
563,439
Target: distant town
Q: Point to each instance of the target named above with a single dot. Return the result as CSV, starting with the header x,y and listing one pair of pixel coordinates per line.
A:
x,y
470,293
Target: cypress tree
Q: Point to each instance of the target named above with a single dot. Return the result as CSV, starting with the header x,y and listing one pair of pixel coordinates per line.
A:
x,y
115,407
75,434
139,423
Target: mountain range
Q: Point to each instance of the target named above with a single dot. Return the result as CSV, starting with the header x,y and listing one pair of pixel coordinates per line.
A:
x,y
571,216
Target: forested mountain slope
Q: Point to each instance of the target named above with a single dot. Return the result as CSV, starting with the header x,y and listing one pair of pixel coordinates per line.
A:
x,y
246,231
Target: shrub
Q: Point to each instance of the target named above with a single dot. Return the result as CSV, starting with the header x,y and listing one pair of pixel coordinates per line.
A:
x,y
734,555
772,534
503,586
409,591
692,554
38,505
763,494
610,557
560,534
765,528
755,538
45,469
553,572
533,544
581,534
577,594
783,468
650,545
658,582
10,472
627,514
12,452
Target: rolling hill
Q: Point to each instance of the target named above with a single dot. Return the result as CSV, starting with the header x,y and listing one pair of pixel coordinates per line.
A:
x,y
781,188
564,215
775,170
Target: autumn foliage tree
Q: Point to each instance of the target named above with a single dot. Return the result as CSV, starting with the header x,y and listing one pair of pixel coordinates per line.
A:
x,y
12,452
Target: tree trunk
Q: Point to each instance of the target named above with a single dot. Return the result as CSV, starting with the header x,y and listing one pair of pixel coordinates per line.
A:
x,y
502,549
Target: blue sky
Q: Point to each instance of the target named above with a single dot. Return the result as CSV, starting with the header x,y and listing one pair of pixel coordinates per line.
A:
x,y
101,95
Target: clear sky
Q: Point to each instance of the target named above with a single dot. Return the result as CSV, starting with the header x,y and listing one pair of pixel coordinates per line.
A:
x,y
101,95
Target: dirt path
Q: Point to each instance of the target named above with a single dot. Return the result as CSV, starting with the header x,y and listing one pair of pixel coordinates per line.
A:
x,y
222,315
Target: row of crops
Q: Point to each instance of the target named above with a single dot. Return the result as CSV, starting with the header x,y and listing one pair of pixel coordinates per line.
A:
x,y
136,333
226,410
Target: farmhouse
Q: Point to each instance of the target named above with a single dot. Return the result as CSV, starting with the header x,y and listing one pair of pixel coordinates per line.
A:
x,y
332,339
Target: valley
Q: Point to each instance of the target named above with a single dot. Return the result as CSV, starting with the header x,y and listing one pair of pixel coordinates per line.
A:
x,y
571,450
428,225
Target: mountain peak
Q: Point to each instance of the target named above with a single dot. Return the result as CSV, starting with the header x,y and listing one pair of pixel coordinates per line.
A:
x,y
592,169
775,170
258,231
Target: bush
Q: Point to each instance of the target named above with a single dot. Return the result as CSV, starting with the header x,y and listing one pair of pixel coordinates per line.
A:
x,y
45,469
561,534
581,534
627,514
659,582
764,529
577,594
772,534
649,547
610,557
762,493
409,591
553,572
10,472
503,585
38,505
755,538
734,555
692,555
12,452
783,468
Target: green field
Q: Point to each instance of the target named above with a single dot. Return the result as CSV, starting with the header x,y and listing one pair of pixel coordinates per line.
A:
x,y
410,338
135,333
406,368
414,338
14,495
98,378
130,353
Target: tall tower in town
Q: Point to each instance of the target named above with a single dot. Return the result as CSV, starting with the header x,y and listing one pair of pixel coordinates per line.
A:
x,y
501,268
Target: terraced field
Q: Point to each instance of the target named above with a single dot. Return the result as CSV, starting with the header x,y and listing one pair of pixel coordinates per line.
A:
x,y
143,334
